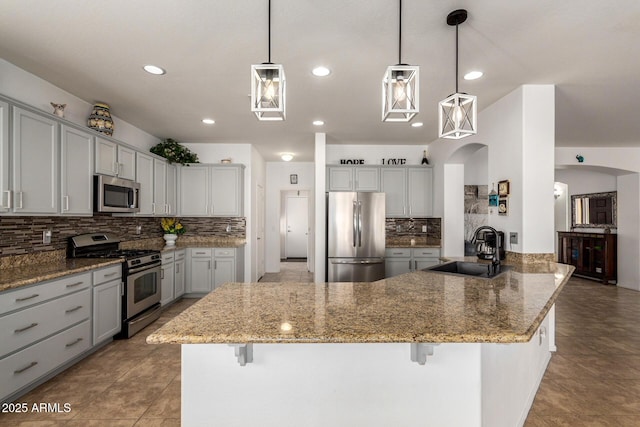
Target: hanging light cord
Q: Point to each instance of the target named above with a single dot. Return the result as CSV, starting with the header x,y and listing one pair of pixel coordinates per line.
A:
x,y
456,56
269,62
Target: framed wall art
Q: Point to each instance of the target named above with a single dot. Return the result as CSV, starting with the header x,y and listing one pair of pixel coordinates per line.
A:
x,y
503,206
503,187
293,178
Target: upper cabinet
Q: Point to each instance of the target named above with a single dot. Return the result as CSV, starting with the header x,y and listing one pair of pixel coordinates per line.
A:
x,y
35,152
420,191
408,191
160,206
76,171
211,190
144,177
172,190
5,191
393,183
115,159
353,178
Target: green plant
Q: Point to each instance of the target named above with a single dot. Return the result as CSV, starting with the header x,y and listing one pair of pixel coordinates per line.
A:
x,y
174,152
172,226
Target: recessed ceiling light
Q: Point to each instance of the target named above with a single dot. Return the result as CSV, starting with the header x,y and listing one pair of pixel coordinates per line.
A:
x,y
318,122
416,124
153,69
208,121
472,75
287,157
321,71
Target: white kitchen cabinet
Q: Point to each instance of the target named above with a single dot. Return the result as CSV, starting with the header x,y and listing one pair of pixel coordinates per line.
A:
x,y
35,151
209,268
405,260
107,303
408,191
5,195
353,178
172,190
76,171
160,206
211,190
420,191
224,266
144,177
167,278
425,257
393,183
179,273
114,159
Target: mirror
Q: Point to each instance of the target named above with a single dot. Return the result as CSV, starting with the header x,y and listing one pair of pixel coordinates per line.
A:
x,y
595,210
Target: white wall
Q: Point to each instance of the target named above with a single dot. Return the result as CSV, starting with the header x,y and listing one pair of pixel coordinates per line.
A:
x,y
277,179
582,181
452,233
258,177
32,90
476,170
373,154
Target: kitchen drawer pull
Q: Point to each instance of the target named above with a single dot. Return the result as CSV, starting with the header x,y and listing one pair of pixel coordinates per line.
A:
x,y
33,325
71,344
30,365
71,310
398,253
71,285
200,253
27,298
111,274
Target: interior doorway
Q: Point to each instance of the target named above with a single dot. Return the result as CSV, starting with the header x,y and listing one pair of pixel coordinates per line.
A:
x,y
294,225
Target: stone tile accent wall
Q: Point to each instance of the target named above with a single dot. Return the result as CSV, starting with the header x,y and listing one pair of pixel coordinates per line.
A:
x,y
23,235
413,227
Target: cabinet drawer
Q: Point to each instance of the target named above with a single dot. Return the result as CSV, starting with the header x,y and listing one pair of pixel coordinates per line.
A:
x,y
26,366
224,252
168,257
24,327
107,274
30,295
397,252
426,252
180,254
201,252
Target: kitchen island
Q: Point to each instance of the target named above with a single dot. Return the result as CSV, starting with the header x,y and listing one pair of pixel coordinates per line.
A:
x,y
422,348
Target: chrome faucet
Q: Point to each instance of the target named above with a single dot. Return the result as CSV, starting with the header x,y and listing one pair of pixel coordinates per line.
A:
x,y
494,268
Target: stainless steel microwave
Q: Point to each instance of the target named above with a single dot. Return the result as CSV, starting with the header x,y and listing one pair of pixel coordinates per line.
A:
x,y
113,194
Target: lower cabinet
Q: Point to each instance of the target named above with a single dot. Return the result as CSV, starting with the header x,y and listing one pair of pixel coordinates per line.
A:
x,y
405,260
179,273
209,268
107,303
167,278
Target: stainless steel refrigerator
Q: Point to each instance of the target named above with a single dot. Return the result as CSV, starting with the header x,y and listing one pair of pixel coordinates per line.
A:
x,y
355,237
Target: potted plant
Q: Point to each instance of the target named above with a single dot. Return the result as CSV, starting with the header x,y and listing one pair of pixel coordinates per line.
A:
x,y
174,152
171,227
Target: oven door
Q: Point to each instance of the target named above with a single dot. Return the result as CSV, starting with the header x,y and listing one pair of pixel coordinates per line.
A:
x,y
143,290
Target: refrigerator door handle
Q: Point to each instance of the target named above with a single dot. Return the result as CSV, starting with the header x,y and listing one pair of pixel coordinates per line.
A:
x,y
355,222
359,262
359,223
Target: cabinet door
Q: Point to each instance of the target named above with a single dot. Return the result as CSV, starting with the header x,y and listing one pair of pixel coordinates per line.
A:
x,y
393,184
107,303
167,282
126,163
106,157
422,263
367,179
160,187
226,191
340,179
5,197
224,271
396,266
35,163
419,185
200,275
172,198
76,171
179,280
144,177
194,189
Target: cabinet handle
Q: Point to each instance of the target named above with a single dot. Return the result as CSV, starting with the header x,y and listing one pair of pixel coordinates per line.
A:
x,y
21,199
66,203
71,285
404,210
212,210
209,265
166,208
215,265
8,200
162,273
30,365
33,325
153,208
111,274
415,263
397,253
200,253
120,167
26,298
177,268
71,310
71,344
115,168
409,265
409,210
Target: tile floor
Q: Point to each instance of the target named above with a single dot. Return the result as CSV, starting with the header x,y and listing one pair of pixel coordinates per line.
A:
x,y
290,272
592,380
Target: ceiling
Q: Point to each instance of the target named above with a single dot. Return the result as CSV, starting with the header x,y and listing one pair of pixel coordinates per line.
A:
x,y
95,50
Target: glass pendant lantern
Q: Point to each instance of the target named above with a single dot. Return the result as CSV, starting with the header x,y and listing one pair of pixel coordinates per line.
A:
x,y
457,114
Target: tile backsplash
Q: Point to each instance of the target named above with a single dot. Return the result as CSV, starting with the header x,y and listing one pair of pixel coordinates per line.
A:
x,y
405,227
23,235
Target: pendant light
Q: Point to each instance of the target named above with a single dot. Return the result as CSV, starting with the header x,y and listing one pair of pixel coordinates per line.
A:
x,y
457,114
268,87
400,86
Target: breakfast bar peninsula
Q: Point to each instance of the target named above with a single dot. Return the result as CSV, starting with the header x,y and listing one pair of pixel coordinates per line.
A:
x,y
424,348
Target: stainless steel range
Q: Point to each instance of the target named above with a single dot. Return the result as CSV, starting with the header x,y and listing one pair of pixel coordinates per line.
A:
x,y
140,276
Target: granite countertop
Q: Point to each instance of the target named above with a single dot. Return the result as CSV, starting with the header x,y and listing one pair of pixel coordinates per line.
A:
x,y
426,307
187,242
12,278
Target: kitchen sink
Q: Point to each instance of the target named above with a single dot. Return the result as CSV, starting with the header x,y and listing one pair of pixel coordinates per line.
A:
x,y
474,269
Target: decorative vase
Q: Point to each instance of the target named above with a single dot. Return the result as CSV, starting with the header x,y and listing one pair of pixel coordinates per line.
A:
x,y
170,239
100,119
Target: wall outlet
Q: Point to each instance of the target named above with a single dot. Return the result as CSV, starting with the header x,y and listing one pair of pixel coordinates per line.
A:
x,y
513,238
424,228
138,229
46,237
398,228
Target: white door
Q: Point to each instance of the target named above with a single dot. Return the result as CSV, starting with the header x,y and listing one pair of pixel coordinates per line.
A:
x,y
260,233
297,212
